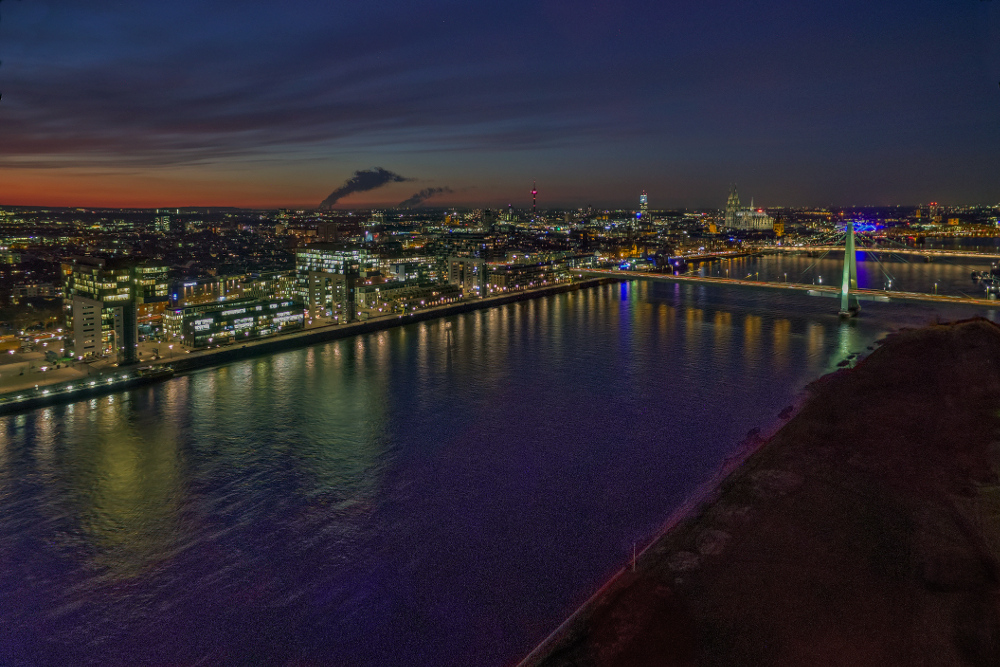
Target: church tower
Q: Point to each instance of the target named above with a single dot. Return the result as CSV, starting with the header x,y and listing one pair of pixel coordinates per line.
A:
x,y
732,206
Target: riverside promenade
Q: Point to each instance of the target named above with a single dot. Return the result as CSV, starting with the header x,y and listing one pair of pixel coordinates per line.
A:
x,y
865,531
328,332
31,384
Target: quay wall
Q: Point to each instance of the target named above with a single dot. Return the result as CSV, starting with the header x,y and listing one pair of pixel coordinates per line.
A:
x,y
236,352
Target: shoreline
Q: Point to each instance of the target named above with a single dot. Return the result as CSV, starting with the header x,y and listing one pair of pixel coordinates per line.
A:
x,y
832,529
208,358
329,332
704,495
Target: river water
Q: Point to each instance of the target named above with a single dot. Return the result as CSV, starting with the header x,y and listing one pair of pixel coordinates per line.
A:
x,y
442,493
882,271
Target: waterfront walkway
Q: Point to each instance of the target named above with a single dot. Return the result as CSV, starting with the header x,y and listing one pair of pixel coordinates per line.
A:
x,y
183,359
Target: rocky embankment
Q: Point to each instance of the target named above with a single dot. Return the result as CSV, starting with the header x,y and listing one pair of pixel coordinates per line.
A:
x,y
865,532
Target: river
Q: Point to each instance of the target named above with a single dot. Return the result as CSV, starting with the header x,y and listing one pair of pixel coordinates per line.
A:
x,y
442,493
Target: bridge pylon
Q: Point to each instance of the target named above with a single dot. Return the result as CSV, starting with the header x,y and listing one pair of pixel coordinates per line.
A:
x,y
849,306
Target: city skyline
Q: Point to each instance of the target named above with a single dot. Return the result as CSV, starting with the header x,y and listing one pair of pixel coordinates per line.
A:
x,y
182,105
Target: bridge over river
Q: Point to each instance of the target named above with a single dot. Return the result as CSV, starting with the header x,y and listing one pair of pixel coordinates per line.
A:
x,y
889,250
812,290
848,292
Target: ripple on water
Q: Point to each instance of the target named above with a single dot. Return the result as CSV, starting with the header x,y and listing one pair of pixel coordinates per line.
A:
x,y
432,494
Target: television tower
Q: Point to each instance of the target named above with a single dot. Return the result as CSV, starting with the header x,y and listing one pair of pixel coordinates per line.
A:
x,y
534,200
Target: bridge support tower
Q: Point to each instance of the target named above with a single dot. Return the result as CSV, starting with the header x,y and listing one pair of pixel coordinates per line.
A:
x,y
849,306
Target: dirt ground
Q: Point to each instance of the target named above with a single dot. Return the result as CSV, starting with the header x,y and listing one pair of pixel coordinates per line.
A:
x,y
865,532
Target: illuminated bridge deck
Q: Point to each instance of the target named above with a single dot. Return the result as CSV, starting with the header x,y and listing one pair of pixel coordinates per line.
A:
x,y
884,250
812,290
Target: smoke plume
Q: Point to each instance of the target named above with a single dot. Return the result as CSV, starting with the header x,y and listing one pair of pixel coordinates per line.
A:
x,y
362,181
426,193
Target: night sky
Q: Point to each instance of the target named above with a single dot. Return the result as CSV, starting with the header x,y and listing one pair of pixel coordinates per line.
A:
x,y
277,104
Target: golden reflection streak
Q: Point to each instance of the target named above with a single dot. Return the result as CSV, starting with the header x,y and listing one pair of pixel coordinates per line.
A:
x,y
782,340
723,326
751,336
814,338
130,486
693,318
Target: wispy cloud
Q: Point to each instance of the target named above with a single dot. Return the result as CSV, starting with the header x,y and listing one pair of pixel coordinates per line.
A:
x,y
419,198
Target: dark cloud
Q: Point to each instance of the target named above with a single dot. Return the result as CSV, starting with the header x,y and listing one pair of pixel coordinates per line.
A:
x,y
723,89
418,198
362,181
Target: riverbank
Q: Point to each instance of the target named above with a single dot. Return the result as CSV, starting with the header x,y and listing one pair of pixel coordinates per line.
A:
x,y
865,531
322,334
38,384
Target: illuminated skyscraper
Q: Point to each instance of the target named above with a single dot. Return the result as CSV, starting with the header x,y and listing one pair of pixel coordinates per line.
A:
x,y
643,206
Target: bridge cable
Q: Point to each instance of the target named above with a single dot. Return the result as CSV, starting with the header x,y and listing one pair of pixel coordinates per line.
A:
x,y
870,251
823,256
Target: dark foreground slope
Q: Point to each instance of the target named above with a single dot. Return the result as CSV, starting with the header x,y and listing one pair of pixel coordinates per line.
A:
x,y
865,532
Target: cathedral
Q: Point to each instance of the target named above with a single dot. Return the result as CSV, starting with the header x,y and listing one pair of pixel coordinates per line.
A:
x,y
745,217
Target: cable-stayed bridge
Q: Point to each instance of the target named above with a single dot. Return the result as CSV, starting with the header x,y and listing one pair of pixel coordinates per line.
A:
x,y
848,292
904,250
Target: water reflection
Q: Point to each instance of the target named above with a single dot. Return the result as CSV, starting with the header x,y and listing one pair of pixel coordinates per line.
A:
x,y
128,490
722,324
440,493
751,338
782,340
904,273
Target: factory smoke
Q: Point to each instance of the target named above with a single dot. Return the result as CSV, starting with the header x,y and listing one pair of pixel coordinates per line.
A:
x,y
362,181
418,198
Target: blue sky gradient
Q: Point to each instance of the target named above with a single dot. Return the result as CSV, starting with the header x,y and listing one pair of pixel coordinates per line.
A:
x,y
276,104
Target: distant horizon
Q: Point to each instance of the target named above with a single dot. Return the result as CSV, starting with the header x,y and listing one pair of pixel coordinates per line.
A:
x,y
167,209
803,104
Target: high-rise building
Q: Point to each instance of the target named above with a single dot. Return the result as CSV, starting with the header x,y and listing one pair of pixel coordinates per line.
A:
x,y
469,273
643,206
489,220
328,275
934,212
105,296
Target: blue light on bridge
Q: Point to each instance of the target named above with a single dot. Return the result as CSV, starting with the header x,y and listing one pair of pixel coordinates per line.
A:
x,y
865,227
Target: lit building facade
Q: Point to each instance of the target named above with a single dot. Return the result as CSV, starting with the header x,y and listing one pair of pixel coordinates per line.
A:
x,y
373,300
317,267
469,273
104,298
222,323
515,277
745,217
